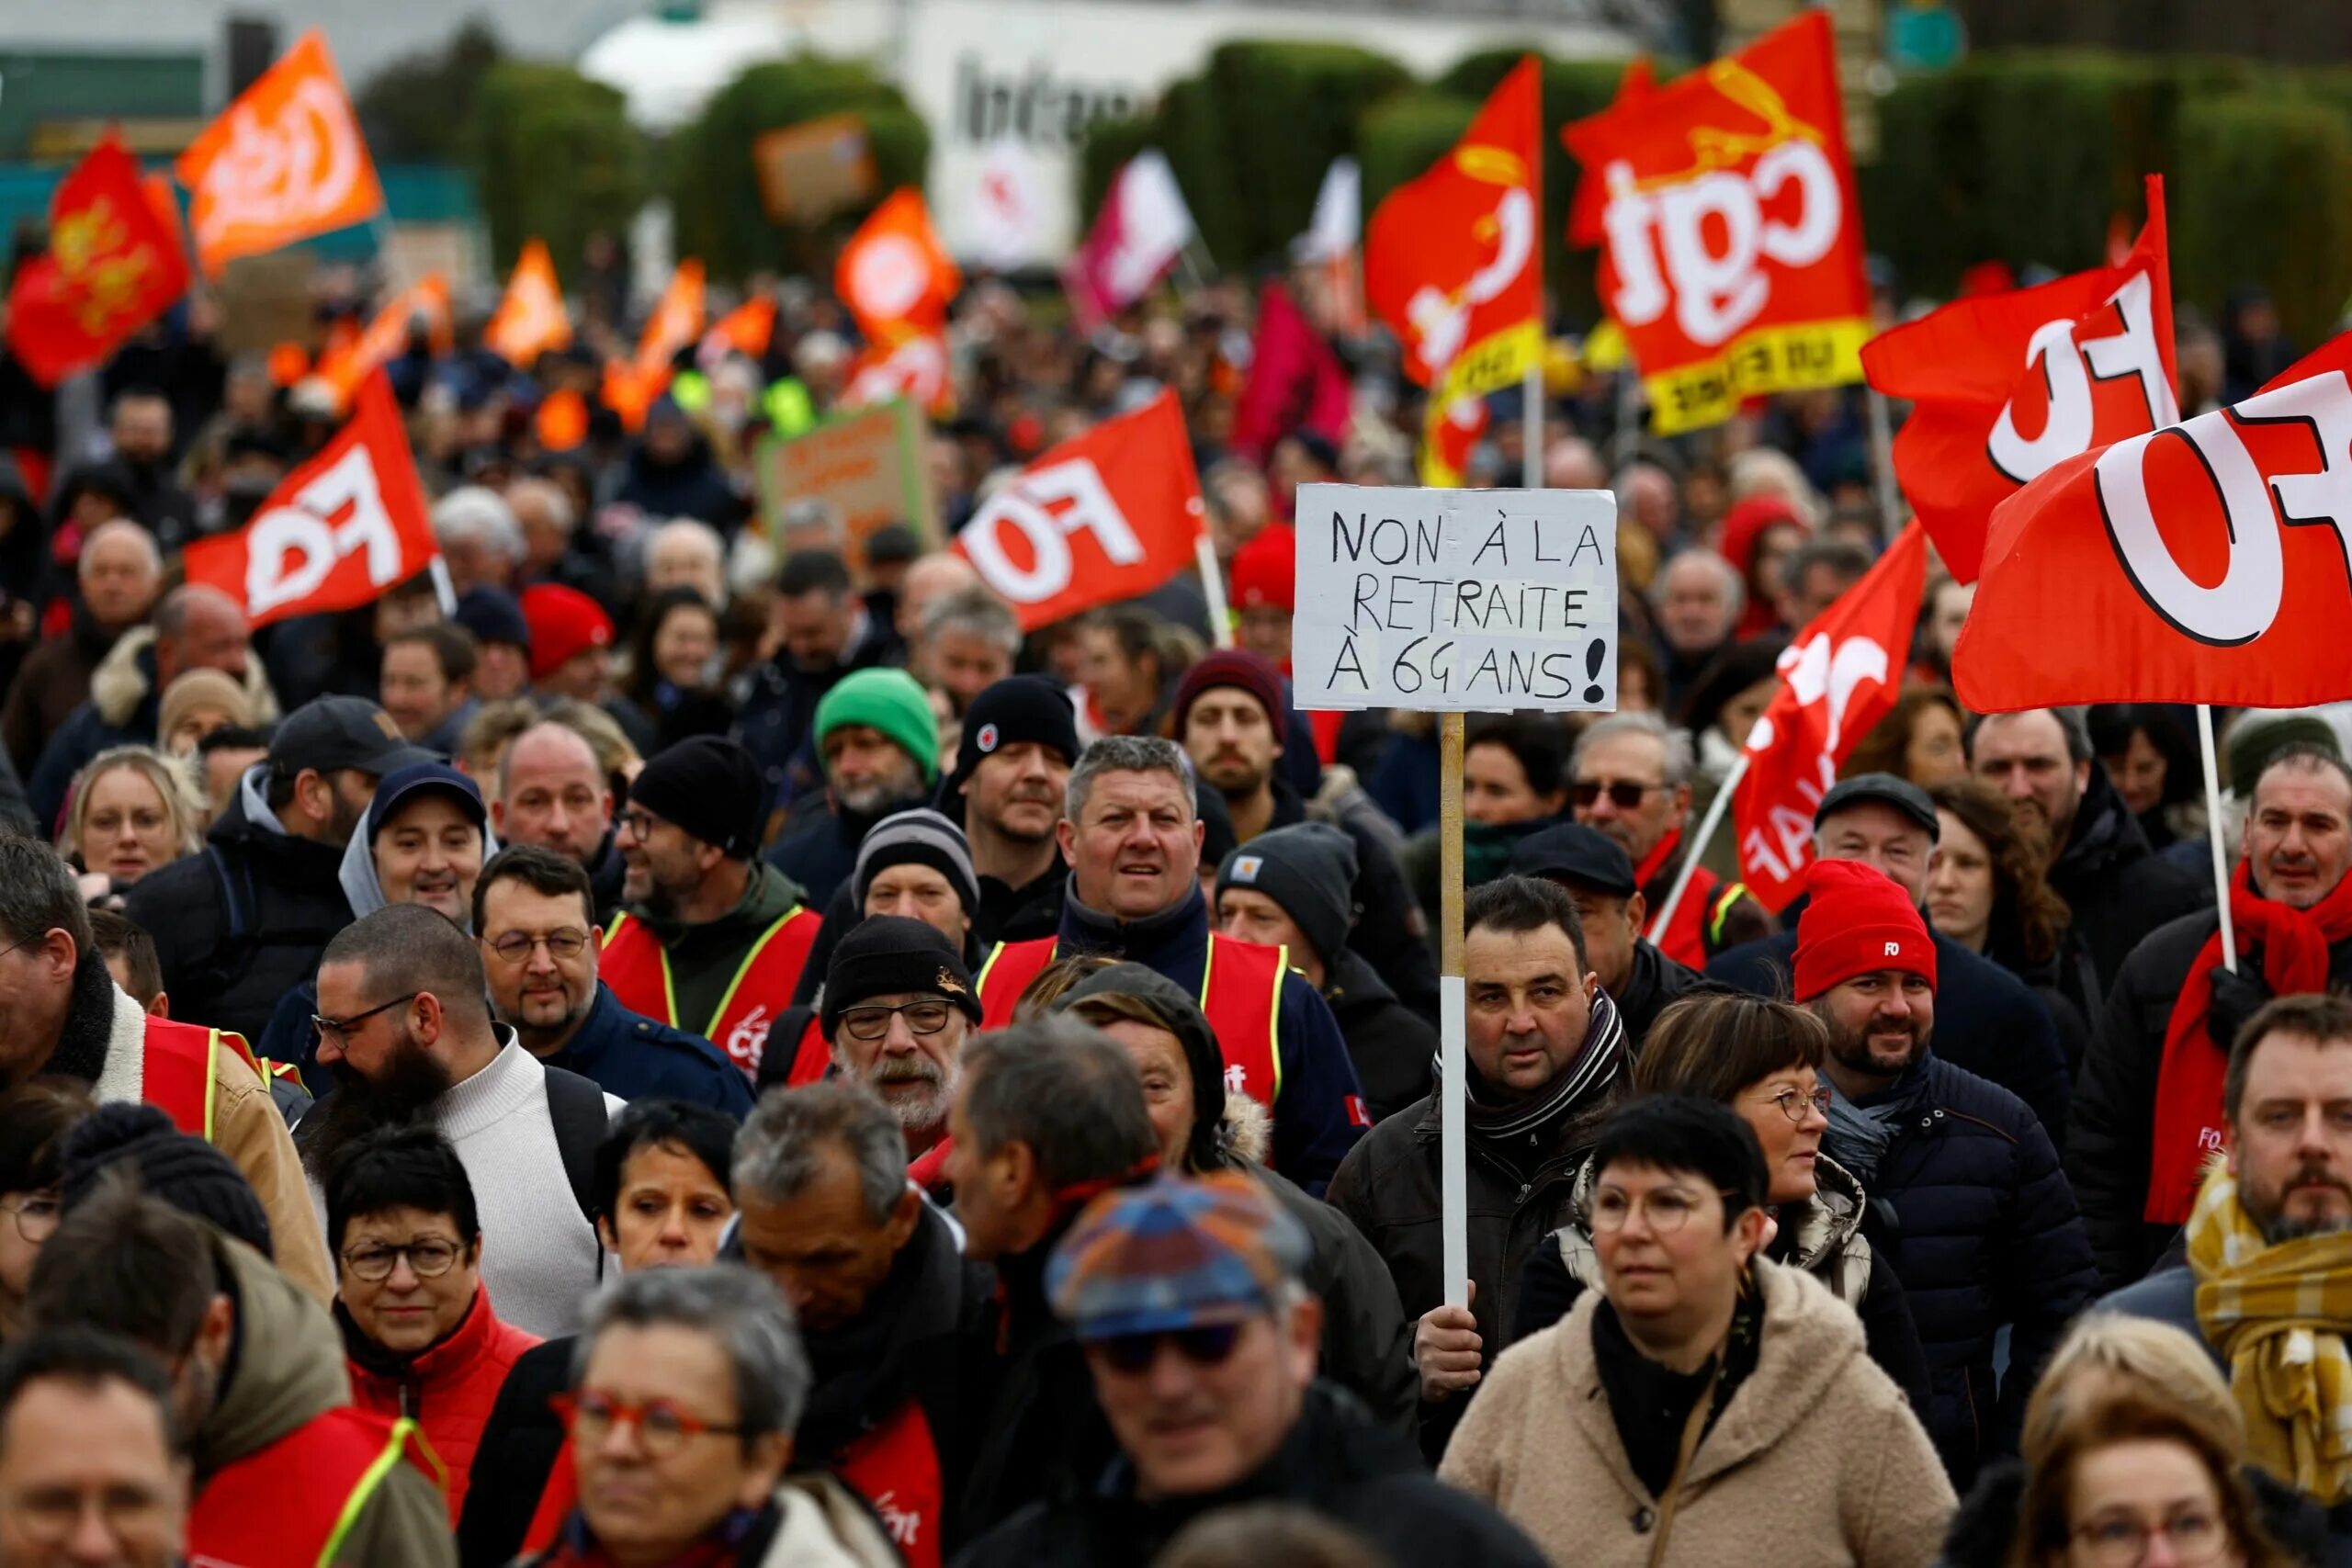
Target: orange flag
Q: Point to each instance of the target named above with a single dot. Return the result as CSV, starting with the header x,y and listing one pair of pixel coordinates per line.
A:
x,y
114,263
746,328
286,161
530,319
894,274
387,335
629,388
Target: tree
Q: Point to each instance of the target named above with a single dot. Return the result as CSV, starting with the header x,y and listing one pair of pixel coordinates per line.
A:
x,y
420,108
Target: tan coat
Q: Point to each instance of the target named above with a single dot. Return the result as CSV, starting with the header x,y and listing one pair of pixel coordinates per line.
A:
x,y
1816,1463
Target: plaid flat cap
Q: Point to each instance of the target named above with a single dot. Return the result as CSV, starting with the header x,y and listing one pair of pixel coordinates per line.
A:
x,y
1174,1253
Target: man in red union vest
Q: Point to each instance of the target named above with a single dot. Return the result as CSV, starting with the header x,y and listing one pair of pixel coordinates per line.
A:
x,y
1133,839
708,940
61,1013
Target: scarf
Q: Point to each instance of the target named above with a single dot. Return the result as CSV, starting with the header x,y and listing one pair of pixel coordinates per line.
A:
x,y
2293,944
1654,864
2277,1315
1597,1065
723,1547
1859,1133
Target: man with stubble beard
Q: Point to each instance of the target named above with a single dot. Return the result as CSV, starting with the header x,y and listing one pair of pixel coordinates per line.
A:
x,y
1020,741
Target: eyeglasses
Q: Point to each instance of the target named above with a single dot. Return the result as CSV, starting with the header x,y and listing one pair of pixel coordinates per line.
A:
x,y
2198,1540
662,1428
1209,1345
638,825
1796,1107
561,946
338,1030
1622,794
427,1259
874,1023
1668,1210
36,1214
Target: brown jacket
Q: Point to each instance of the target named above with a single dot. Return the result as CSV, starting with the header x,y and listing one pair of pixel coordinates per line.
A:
x,y
1816,1459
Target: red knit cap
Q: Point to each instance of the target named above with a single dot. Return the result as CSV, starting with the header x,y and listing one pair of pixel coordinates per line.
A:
x,y
563,622
1238,668
1856,921
1265,571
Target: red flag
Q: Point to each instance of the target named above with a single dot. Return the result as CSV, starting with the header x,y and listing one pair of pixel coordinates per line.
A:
x,y
915,367
1295,381
1590,200
114,263
2204,562
1838,679
2005,386
1105,517
337,532
1735,243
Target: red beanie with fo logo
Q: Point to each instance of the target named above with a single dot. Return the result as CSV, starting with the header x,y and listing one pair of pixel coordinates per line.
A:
x,y
1856,921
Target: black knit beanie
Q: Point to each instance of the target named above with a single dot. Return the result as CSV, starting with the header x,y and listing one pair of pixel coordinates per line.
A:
x,y
186,1172
711,786
891,955
1309,868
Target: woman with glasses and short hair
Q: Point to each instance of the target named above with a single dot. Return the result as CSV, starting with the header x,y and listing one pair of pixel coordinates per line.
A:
x,y
419,1336
34,1116
1762,1059
1704,1405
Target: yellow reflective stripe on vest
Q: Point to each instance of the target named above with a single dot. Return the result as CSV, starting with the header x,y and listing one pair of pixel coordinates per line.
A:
x,y
732,986
1274,1017
980,984
211,1083
661,957
371,1478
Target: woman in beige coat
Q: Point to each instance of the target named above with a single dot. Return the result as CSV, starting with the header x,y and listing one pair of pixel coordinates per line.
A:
x,y
1704,1406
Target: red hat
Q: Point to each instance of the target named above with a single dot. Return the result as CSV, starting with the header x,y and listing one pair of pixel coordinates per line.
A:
x,y
563,622
1856,921
1233,667
1265,571
1744,524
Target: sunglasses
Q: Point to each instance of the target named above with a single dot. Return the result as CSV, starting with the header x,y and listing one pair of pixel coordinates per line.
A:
x,y
1622,794
1207,1346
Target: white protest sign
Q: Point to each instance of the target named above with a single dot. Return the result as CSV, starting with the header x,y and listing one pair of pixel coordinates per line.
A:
x,y
1453,600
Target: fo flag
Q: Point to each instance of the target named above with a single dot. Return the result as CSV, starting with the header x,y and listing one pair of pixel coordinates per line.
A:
x,y
2005,386
1733,255
113,264
1453,265
286,161
2204,562
341,529
1110,515
1838,679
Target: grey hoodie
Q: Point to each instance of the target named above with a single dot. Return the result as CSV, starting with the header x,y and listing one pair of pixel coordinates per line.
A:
x,y
361,883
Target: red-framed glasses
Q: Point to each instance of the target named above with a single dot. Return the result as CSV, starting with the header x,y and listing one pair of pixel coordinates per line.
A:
x,y
662,1427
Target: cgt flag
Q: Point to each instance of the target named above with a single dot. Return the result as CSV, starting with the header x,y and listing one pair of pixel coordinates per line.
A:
x,y
530,320
337,532
114,263
1453,264
1838,678
286,161
1107,516
2204,562
2005,386
1734,255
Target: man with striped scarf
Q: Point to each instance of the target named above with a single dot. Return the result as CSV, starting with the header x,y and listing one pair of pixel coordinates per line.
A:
x,y
1547,1064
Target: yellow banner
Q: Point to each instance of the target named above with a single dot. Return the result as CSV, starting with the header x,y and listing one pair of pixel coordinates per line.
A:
x,y
1773,359
1493,362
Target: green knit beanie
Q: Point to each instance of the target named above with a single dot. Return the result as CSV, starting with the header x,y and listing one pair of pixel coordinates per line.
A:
x,y
890,701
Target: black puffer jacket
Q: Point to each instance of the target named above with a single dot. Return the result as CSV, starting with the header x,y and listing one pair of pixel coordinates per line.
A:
x,y
1981,1227
242,923
2120,890
1656,983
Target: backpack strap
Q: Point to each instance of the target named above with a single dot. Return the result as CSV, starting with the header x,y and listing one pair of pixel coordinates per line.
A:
x,y
576,1106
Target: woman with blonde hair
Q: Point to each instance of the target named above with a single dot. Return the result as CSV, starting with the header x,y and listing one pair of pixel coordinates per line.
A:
x,y
131,811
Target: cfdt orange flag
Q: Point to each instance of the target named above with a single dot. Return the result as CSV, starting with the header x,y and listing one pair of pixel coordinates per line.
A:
x,y
1838,680
284,161
1454,262
2204,562
2005,386
424,303
530,320
114,263
339,530
894,274
1107,516
1734,255
677,319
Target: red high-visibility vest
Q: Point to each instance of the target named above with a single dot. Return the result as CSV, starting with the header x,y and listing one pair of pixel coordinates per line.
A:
x,y
638,969
290,1503
176,1076
1242,993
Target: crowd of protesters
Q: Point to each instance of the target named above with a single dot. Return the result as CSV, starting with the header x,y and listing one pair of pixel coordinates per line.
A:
x,y
696,1041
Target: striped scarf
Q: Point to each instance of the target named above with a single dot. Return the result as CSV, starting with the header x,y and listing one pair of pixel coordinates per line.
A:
x,y
2278,1312
1597,1065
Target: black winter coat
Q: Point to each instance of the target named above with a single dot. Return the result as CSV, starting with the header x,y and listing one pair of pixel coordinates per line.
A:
x,y
2109,1144
1335,1464
2120,890
778,713
241,924
1389,931
1391,1045
519,1444
1657,982
1019,914
1981,1227
1367,1340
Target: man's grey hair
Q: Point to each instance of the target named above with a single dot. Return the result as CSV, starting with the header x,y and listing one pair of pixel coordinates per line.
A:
x,y
739,1309
977,612
122,528
171,611
1063,1089
1734,590
478,515
549,496
781,1150
1126,755
1674,743
694,528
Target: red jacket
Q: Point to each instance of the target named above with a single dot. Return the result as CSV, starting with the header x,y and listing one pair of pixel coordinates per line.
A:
x,y
446,1389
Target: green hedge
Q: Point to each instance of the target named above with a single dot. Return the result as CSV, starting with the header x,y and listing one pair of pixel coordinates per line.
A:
x,y
557,159
2263,192
715,189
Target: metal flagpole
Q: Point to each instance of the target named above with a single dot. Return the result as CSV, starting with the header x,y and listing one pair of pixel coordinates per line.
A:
x,y
2213,834
1698,846
1213,589
1530,465
1890,494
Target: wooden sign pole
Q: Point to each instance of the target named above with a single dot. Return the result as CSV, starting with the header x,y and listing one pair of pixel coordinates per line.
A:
x,y
1452,1021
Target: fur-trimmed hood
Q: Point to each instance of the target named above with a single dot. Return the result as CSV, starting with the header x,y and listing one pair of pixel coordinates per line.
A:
x,y
125,679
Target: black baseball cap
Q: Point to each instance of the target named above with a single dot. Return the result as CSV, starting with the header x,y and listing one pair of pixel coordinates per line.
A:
x,y
328,733
1574,852
1887,790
